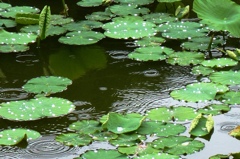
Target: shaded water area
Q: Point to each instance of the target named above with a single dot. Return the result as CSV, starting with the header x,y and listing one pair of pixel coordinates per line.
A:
x,y
104,80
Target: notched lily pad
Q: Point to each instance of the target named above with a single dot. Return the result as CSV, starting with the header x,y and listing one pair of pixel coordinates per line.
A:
x,y
47,85
219,63
8,23
34,109
14,136
199,92
84,25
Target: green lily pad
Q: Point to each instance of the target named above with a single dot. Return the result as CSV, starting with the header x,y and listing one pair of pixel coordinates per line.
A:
x,y
226,77
153,53
124,10
47,85
57,19
185,58
8,23
140,149
85,126
13,48
103,154
217,15
81,38
231,97
12,11
119,124
127,139
84,25
214,109
199,92
201,43
159,18
27,18
135,2
4,6
100,16
90,3
150,41
72,139
202,70
16,38
168,1
14,136
167,114
201,126
219,156
178,145
159,155
104,136
182,30
34,109
129,27
219,62
160,129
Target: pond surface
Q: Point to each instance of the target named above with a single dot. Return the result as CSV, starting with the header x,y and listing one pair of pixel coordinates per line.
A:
x,y
104,80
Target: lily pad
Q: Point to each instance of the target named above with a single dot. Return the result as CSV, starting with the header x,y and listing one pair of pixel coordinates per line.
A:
x,y
137,150
16,38
214,109
178,145
85,126
103,136
160,129
135,2
201,126
129,27
124,10
185,58
84,25
100,16
182,30
197,92
219,62
168,1
14,136
127,139
150,53
226,77
119,124
13,48
81,38
47,85
235,132
103,154
159,155
4,6
8,23
57,19
90,3
167,114
159,18
231,97
218,16
12,11
34,109
72,139
202,70
150,41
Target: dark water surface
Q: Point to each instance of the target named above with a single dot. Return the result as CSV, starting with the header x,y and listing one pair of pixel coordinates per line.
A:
x,y
104,80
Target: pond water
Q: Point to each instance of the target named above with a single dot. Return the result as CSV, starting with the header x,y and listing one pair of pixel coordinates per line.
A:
x,y
104,80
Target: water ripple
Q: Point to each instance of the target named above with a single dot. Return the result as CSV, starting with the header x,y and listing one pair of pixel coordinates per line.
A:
x,y
11,94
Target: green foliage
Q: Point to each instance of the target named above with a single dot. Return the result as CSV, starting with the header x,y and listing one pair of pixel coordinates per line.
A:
x,y
226,77
13,48
84,25
159,18
103,154
135,2
44,21
202,70
137,150
27,18
159,155
214,109
219,63
124,10
230,97
8,23
150,41
86,126
129,139
90,3
73,139
10,12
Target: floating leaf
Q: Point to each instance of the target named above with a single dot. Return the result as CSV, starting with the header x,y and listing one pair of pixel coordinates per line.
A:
x,y
90,3
81,38
219,62
14,136
202,70
217,15
139,150
127,139
231,97
47,84
214,109
13,48
72,139
185,58
103,154
4,6
167,114
178,145
153,53
150,41
104,136
219,156
34,109
129,27
8,23
168,1
198,92
57,19
100,16
159,18
226,77
135,2
16,38
124,10
160,129
85,126
119,124
27,18
201,126
12,11
84,25
182,30
235,132
156,156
